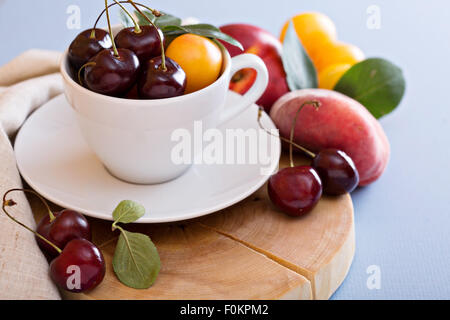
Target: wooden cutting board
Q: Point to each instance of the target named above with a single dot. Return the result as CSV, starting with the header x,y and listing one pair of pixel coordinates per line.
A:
x,y
248,251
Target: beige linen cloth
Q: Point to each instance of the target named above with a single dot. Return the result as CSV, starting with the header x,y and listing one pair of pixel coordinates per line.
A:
x,y
26,83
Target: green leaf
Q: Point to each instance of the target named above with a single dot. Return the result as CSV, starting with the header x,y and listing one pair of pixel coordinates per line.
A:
x,y
204,30
300,71
167,20
162,21
128,212
136,261
141,19
376,83
173,30
125,19
171,26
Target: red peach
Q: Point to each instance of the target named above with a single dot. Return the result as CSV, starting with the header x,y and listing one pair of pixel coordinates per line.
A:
x,y
260,42
341,123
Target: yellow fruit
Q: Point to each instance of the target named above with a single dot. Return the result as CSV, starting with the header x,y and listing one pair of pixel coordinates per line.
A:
x,y
200,58
314,29
337,53
330,76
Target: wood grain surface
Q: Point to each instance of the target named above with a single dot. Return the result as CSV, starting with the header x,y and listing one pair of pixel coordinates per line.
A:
x,y
248,251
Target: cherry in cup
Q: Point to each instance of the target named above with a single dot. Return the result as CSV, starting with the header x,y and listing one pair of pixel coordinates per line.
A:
x,y
160,77
112,72
86,45
135,65
145,43
159,81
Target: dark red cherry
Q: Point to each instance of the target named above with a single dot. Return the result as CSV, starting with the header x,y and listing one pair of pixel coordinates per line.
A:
x,y
132,94
337,172
84,47
79,268
295,191
146,44
156,83
110,74
67,226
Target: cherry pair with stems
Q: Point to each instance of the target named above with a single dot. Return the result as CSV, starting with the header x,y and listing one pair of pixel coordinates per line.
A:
x,y
65,239
296,190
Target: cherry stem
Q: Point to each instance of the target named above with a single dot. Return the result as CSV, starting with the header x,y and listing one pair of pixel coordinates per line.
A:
x,y
11,203
92,34
137,28
127,241
81,69
116,53
156,13
163,55
49,211
314,103
115,226
303,149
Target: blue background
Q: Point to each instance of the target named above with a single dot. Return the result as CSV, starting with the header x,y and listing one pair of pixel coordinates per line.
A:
x,y
402,221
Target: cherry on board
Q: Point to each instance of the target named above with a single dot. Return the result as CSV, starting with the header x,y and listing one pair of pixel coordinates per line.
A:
x,y
80,267
66,226
295,190
337,172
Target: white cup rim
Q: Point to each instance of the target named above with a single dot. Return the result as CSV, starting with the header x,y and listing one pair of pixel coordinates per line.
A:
x,y
146,103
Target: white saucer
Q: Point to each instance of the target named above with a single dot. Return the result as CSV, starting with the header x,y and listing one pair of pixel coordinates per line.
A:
x,y
54,159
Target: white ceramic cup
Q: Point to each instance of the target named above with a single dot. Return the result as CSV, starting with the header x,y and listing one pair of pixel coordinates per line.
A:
x,y
132,138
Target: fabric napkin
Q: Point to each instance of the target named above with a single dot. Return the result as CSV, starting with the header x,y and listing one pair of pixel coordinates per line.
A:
x,y
26,83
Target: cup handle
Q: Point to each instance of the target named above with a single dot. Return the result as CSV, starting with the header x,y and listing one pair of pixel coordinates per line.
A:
x,y
245,61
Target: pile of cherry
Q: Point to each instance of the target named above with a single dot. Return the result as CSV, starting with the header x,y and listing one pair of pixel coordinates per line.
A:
x,y
77,265
296,190
132,65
